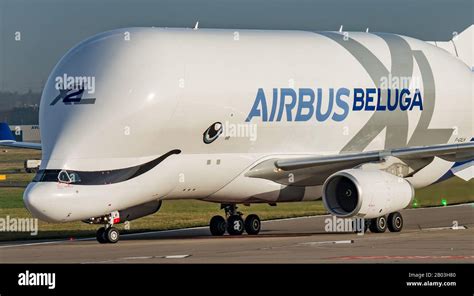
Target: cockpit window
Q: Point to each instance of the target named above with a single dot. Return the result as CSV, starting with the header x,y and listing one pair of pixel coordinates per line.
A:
x,y
46,176
99,177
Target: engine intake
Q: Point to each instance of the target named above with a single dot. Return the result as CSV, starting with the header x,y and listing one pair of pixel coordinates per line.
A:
x,y
366,193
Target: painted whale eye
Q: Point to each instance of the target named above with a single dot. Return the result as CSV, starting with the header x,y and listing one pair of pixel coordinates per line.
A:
x,y
212,133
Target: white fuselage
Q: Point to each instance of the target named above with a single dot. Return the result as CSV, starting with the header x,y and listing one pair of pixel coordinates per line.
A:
x,y
157,90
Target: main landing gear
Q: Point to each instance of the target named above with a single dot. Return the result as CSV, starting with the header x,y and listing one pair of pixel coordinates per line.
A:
x,y
394,223
234,224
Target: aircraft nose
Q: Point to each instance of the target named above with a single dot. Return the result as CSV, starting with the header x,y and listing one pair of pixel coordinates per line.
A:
x,y
38,199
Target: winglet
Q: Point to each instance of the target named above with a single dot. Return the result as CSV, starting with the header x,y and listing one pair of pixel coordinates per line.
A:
x,y
5,132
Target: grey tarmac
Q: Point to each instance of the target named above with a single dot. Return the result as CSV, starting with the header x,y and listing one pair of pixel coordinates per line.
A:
x,y
427,237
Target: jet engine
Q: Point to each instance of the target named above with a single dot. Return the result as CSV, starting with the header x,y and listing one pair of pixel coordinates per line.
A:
x,y
366,193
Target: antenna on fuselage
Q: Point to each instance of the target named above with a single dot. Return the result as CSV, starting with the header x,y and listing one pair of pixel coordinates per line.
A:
x,y
340,29
196,26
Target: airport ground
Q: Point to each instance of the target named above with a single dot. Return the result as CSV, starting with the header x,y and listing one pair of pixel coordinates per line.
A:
x,y
428,237
182,214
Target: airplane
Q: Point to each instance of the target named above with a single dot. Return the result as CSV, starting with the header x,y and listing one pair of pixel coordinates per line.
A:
x,y
135,116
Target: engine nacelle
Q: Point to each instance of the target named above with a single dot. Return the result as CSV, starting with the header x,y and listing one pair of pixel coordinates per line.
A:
x,y
366,193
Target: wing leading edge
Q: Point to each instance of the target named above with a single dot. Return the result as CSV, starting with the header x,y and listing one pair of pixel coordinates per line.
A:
x,y
314,170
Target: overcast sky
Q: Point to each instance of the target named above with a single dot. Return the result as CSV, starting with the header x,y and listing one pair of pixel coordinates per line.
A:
x,y
50,27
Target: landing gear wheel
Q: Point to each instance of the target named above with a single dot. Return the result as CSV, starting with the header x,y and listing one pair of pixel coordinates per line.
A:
x,y
252,224
235,225
112,235
217,225
395,222
378,225
100,235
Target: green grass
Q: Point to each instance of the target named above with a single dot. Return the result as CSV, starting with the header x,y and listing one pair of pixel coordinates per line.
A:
x,y
13,158
188,213
454,191
11,198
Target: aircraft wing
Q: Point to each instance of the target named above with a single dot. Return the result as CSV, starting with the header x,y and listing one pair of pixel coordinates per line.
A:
x,y
7,139
314,170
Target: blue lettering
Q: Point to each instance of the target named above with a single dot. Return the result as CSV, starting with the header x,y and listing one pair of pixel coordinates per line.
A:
x,y
391,107
341,104
319,115
369,99
407,100
358,98
309,103
261,101
417,101
380,107
286,92
303,104
274,104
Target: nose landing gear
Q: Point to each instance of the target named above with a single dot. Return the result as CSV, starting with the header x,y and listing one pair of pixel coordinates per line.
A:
x,y
108,233
234,224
